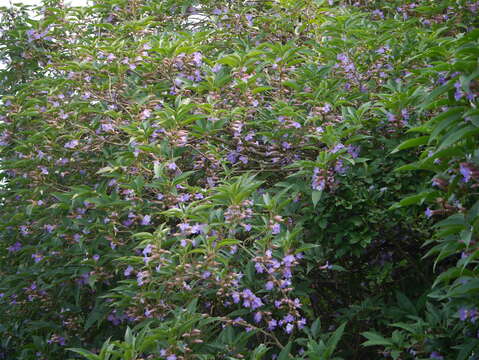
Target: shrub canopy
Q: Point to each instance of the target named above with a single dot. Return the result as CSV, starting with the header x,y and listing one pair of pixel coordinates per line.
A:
x,y
197,179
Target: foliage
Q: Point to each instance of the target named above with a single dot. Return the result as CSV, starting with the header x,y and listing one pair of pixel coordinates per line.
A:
x,y
198,179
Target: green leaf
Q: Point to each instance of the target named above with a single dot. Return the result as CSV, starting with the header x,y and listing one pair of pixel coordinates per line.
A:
x,y
85,353
316,327
261,89
422,140
95,315
334,339
284,354
460,134
414,199
316,196
375,339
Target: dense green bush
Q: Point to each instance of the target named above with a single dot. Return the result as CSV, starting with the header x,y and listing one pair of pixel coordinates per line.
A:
x,y
240,180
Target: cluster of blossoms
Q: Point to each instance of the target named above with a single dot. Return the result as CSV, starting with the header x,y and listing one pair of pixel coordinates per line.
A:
x,y
469,177
60,340
325,178
34,35
116,319
469,171
347,66
239,213
188,338
322,179
468,314
397,121
275,308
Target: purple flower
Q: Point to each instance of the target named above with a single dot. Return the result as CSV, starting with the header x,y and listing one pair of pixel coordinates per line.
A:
x,y
272,324
172,166
49,228
286,145
269,285
276,229
342,57
337,148
184,197
206,274
340,168
145,114
232,157
37,257
259,268
146,220
247,227
147,250
428,212
243,159
436,355
15,247
216,68
378,13
459,93
139,278
107,127
287,273
184,227
288,318
24,230
71,144
289,328
297,303
171,357
128,222
236,297
198,228
197,58
148,313
288,260
257,317
128,270
463,314
251,300
354,151
465,171
86,95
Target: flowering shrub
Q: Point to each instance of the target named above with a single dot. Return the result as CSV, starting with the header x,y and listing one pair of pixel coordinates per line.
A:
x,y
236,180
